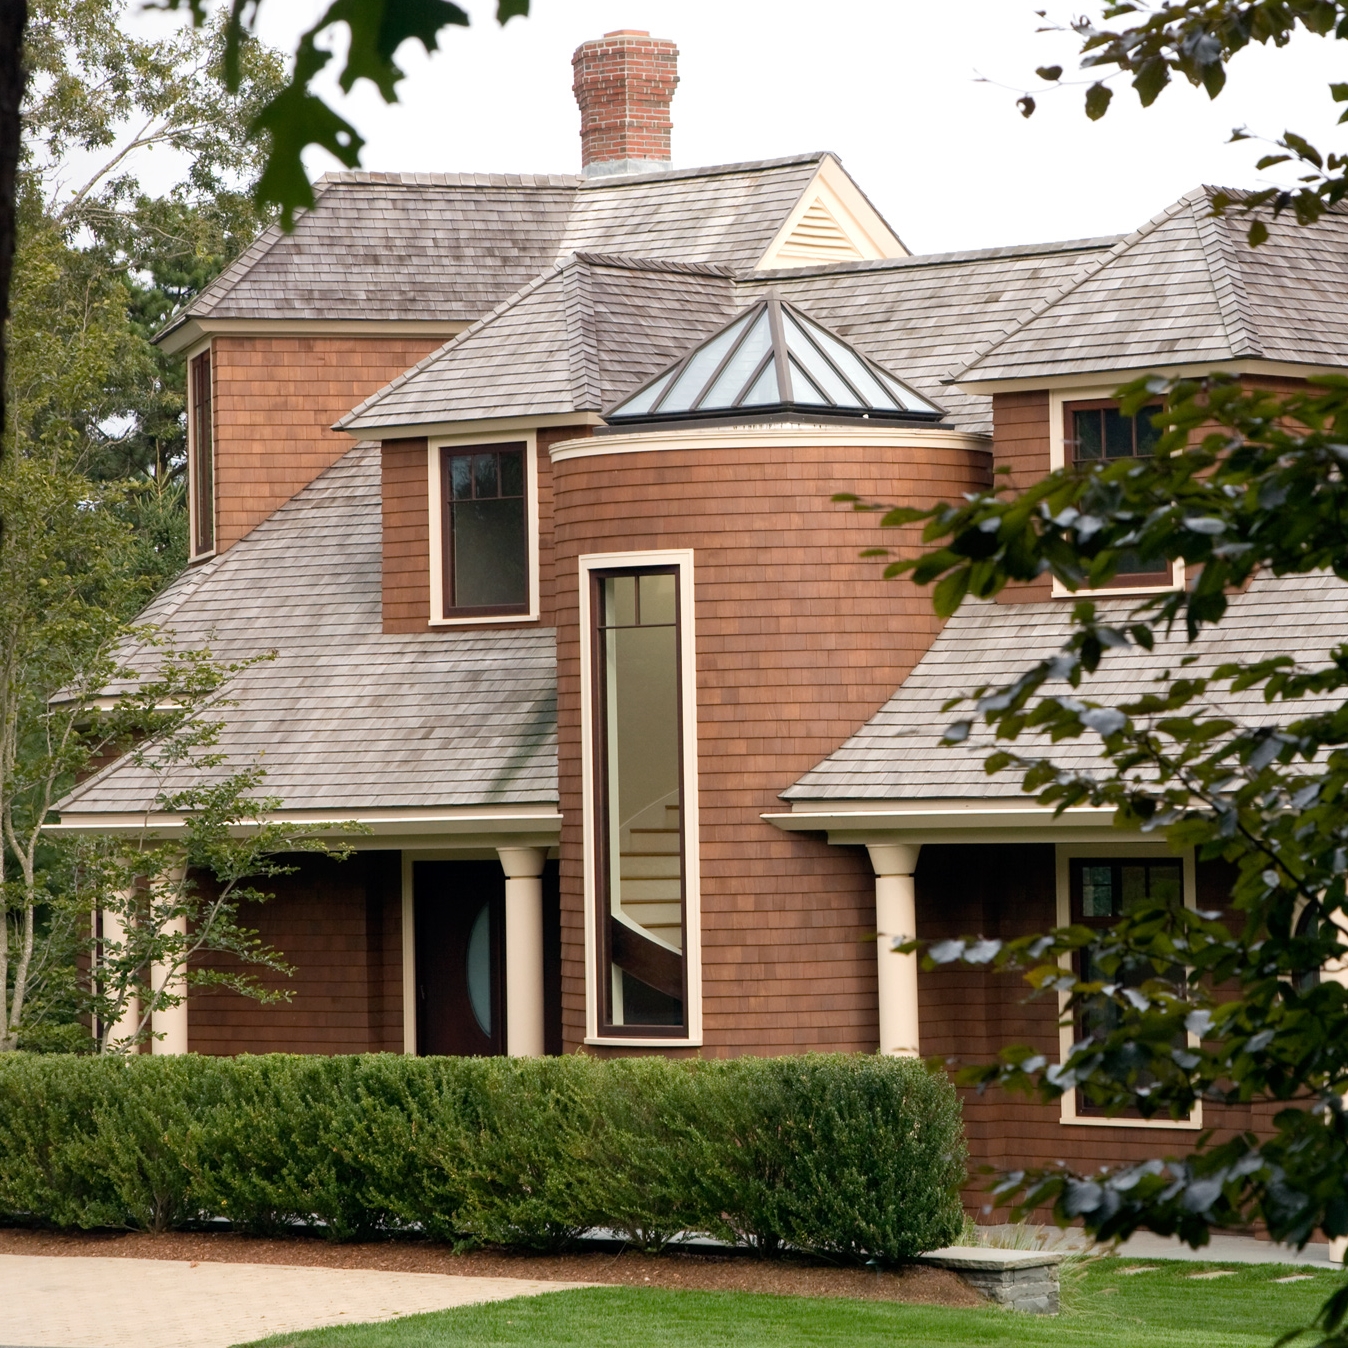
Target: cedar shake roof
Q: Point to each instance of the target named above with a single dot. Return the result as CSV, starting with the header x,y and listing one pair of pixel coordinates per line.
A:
x,y
1187,288
925,316
898,754
420,246
586,332
345,717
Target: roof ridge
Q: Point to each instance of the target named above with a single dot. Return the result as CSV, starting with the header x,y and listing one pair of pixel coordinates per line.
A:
x,y
384,178
618,180
396,383
1228,281
1048,249
582,346
1091,269
633,262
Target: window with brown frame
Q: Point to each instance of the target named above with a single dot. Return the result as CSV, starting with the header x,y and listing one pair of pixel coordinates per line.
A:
x,y
1097,432
203,456
639,843
484,528
1102,891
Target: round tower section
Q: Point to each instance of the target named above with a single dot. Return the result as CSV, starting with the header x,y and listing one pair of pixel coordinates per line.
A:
x,y
789,642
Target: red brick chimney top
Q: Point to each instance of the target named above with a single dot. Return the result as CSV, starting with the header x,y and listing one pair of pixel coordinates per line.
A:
x,y
624,83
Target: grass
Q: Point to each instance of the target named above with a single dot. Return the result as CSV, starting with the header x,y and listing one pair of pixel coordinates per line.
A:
x,y
1103,1308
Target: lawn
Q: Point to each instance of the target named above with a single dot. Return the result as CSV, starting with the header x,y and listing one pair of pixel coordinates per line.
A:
x,y
1167,1307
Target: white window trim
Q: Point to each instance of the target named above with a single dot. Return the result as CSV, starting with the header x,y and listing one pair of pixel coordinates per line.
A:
x,y
682,559
436,532
1057,458
205,348
1114,851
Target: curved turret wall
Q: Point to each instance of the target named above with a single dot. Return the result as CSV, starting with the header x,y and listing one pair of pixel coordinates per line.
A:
x,y
799,641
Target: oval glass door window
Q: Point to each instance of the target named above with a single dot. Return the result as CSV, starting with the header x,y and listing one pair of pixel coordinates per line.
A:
x,y
478,969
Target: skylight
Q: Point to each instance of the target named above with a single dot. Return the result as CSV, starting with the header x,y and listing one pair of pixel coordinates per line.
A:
x,y
773,357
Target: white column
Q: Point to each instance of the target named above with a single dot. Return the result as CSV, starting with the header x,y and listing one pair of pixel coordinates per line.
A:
x,y
523,867
896,916
1336,971
171,1022
114,933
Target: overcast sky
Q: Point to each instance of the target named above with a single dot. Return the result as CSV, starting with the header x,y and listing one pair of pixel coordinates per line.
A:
x,y
890,85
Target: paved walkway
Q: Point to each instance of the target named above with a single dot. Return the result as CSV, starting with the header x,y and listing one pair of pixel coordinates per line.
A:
x,y
1224,1250
80,1302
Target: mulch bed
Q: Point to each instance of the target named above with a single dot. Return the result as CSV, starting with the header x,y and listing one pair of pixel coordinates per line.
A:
x,y
701,1272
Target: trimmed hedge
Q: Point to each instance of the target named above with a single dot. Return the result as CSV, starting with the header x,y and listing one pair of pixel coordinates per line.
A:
x,y
847,1157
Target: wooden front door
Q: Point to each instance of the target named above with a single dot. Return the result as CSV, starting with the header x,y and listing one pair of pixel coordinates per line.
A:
x,y
460,945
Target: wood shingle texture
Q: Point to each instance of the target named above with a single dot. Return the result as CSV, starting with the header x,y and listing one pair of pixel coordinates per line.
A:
x,y
1187,288
899,755
346,717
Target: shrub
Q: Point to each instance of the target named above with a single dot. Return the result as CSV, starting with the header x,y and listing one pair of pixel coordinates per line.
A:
x,y
847,1157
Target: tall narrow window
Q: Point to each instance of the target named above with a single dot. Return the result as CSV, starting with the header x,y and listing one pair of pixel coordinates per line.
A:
x,y
484,525
640,843
203,456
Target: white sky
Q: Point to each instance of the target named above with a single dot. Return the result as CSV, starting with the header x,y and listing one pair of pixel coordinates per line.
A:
x,y
890,85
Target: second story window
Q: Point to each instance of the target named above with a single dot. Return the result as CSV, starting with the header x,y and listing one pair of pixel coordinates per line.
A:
x,y
485,530
1097,432
202,470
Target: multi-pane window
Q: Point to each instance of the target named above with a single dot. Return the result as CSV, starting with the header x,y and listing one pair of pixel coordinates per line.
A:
x,y
485,530
1097,432
1103,891
640,843
203,455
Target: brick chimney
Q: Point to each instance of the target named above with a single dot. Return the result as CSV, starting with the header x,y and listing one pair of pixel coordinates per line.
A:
x,y
624,84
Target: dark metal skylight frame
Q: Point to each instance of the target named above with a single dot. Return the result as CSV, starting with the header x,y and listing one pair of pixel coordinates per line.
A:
x,y
798,367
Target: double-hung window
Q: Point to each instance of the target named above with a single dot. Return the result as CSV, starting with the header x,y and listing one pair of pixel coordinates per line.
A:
x,y
641,811
202,475
484,523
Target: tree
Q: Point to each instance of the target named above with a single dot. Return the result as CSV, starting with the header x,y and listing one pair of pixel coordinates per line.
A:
x,y
283,126
1198,1006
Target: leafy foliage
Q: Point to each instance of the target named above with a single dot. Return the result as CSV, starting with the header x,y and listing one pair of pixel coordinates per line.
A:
x,y
295,117
1244,760
850,1157
1197,39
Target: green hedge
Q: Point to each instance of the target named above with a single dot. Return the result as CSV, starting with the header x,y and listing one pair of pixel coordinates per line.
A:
x,y
848,1157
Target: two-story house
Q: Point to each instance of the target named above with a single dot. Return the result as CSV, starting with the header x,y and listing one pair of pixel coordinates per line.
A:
x,y
527,482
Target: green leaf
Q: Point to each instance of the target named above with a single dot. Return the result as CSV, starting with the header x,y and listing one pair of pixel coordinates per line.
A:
x,y
1150,80
950,590
1097,101
1026,104
378,28
510,9
1050,73
1258,234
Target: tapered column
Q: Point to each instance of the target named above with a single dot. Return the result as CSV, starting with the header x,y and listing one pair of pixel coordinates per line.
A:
x,y
523,867
114,934
896,918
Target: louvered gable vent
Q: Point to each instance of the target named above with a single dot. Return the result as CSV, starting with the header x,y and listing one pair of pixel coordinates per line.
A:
x,y
818,237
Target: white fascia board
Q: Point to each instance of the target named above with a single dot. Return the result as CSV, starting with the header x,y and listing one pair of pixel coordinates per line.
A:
x,y
779,434
196,330
474,825
1115,377
855,823
463,431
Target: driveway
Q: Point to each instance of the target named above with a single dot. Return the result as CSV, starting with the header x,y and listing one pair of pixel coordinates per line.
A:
x,y
63,1302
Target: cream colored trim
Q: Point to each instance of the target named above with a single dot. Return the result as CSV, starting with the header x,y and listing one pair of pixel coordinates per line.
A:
x,y
436,496
785,435
196,329
1065,852
1058,398
1118,378
384,828
474,429
409,945
682,558
852,823
857,218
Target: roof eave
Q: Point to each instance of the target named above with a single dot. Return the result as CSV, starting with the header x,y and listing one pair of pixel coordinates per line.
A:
x,y
1094,376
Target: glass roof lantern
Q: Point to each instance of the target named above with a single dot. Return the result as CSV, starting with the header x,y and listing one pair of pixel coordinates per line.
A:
x,y
772,359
